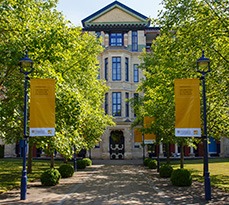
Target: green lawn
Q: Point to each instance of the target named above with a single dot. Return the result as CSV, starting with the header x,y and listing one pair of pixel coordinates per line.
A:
x,y
218,168
11,172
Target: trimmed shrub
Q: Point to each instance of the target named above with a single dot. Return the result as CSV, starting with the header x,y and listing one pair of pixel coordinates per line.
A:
x,y
66,170
50,177
146,161
181,177
152,164
165,170
81,164
87,161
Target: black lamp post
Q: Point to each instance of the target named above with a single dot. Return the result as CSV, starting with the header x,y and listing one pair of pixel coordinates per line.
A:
x,y
74,159
143,145
26,67
203,67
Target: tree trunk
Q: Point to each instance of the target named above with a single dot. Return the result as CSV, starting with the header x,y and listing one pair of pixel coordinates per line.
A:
x,y
30,157
168,153
182,155
52,161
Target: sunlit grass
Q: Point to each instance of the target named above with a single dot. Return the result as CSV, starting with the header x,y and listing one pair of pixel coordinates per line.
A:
x,y
11,172
218,168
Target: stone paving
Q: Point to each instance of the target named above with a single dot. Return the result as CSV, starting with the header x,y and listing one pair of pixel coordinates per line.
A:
x,y
115,183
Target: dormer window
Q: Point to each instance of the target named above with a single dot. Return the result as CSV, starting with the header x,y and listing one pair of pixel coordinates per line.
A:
x,y
116,39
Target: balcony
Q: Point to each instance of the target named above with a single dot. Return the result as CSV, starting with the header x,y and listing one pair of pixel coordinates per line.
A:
x,y
116,47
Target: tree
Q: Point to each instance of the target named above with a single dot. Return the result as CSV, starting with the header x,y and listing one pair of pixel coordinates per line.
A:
x,y
187,28
62,52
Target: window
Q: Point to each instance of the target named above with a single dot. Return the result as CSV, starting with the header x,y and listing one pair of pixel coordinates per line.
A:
x,y
106,69
98,34
134,41
97,145
116,104
127,104
136,96
127,69
116,68
148,47
116,39
136,99
136,73
106,103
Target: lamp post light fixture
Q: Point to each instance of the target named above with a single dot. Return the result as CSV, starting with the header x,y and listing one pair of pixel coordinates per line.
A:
x,y
26,67
203,67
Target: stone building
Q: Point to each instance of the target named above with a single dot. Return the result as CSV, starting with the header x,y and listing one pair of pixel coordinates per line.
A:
x,y
125,33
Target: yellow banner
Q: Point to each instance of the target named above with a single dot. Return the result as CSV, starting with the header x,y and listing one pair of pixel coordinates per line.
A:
x,y
187,108
42,107
148,121
150,137
137,136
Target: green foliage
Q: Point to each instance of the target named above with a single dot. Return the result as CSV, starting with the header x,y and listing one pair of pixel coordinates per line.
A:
x,y
146,161
187,28
62,52
50,177
181,177
165,170
88,161
81,164
152,164
10,172
66,170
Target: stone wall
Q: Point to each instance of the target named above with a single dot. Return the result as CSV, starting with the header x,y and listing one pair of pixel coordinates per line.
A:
x,y
224,147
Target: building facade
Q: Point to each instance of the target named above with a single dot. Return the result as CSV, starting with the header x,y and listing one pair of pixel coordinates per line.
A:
x,y
125,33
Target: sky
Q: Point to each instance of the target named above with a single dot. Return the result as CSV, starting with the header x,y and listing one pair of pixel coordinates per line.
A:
x,y
77,10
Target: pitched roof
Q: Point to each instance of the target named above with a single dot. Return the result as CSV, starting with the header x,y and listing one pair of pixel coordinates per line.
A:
x,y
131,17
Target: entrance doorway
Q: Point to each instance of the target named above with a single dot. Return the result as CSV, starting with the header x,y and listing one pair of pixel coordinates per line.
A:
x,y
117,145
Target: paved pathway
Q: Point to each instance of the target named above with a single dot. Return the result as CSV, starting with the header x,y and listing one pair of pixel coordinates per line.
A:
x,y
125,182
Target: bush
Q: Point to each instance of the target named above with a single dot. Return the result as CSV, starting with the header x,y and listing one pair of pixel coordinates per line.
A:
x,y
66,170
165,170
181,177
50,177
87,161
146,161
81,164
152,164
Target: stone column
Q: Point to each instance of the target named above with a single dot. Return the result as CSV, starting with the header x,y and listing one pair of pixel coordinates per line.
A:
x,y
103,37
192,154
126,40
106,40
9,150
176,148
161,154
129,38
105,145
224,147
128,143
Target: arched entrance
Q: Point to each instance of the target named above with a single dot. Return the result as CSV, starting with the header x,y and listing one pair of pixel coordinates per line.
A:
x,y
117,147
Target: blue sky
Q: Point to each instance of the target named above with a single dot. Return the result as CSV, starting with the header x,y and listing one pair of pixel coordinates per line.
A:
x,y
77,10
